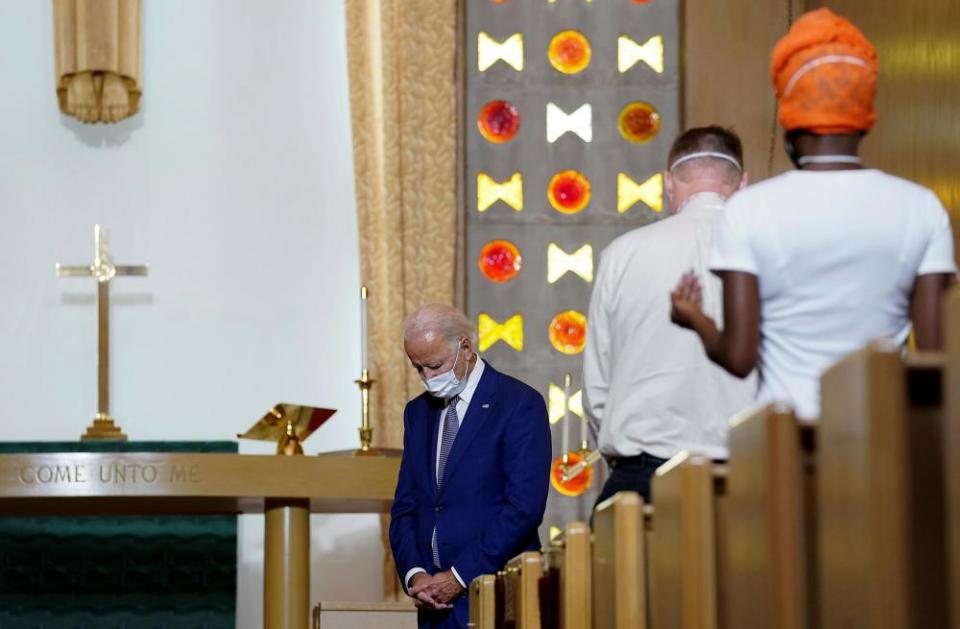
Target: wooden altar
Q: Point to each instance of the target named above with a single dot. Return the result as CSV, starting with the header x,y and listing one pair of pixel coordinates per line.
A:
x,y
286,489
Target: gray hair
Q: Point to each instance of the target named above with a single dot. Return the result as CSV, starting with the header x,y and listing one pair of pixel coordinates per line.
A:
x,y
441,319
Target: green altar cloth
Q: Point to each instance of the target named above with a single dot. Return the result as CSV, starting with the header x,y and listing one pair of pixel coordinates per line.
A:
x,y
157,572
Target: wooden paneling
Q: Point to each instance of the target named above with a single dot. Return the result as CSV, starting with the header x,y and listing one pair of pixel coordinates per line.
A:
x,y
951,450
726,74
917,134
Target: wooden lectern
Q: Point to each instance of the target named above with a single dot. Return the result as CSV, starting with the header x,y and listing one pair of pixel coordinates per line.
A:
x,y
286,489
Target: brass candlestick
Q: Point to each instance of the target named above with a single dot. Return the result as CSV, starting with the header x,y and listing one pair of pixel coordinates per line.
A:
x,y
366,432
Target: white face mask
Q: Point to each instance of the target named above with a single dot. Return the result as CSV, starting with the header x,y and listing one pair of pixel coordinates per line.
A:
x,y
447,385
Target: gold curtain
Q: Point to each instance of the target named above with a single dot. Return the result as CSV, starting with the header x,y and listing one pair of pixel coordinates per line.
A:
x,y
401,56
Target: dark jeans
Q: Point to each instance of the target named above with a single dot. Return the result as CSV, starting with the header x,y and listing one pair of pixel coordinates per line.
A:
x,y
631,474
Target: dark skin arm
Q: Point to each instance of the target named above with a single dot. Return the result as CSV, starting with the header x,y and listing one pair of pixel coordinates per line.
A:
x,y
735,347
926,310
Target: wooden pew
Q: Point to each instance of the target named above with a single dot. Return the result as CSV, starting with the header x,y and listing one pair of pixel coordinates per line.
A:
x,y
684,561
619,563
951,448
565,583
767,540
881,534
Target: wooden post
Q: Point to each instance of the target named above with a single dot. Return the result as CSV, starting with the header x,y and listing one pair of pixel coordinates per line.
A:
x,y
482,602
575,575
523,576
684,558
768,522
881,533
286,564
618,575
951,449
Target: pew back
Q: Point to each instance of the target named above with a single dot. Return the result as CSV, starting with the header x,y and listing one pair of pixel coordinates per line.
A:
x,y
880,492
619,563
684,557
768,522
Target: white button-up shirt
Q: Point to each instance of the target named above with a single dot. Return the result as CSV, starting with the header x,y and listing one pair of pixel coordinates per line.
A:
x,y
648,383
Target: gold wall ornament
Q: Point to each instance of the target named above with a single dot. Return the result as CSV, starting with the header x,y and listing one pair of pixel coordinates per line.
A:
x,y
104,271
289,425
97,58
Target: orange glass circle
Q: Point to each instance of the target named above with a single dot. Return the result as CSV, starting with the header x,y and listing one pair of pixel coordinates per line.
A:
x,y
639,122
498,121
568,191
568,332
499,261
569,52
574,486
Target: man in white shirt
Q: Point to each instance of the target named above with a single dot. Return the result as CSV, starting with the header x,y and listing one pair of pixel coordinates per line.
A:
x,y
818,262
648,384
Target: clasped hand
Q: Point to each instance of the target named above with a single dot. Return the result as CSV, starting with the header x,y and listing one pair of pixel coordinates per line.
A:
x,y
435,592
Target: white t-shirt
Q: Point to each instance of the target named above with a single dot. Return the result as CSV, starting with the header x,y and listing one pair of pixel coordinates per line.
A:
x,y
836,254
648,383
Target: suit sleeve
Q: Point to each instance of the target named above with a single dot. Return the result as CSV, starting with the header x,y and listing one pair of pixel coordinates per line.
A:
x,y
403,513
526,461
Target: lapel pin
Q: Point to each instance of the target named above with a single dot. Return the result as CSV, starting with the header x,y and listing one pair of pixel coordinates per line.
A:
x,y
484,406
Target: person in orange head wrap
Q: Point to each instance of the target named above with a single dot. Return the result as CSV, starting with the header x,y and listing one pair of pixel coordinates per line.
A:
x,y
819,261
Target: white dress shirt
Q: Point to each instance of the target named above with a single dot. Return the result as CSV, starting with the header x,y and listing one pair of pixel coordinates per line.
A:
x,y
463,403
647,382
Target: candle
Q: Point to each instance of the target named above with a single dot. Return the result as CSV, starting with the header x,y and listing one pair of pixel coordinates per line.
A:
x,y
566,414
583,432
363,328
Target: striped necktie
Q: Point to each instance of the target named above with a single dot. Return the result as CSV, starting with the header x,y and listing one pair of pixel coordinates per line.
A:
x,y
450,427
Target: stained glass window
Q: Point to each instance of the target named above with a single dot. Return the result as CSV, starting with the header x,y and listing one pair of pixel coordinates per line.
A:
x,y
559,262
491,331
510,51
490,191
498,121
569,52
629,52
569,191
579,122
499,261
629,192
568,332
639,122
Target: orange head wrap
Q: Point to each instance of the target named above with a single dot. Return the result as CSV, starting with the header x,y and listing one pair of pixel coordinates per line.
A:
x,y
825,74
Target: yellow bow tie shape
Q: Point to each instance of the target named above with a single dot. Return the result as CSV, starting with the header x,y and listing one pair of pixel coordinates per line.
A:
x,y
555,402
510,331
490,191
579,262
629,192
510,51
630,52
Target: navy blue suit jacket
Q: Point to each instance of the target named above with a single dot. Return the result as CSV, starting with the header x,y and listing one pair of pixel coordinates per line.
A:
x,y
494,491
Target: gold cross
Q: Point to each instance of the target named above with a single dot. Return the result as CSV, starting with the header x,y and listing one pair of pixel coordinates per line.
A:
x,y
103,270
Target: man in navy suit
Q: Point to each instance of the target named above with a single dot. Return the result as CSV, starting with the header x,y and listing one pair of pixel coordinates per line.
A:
x,y
475,472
